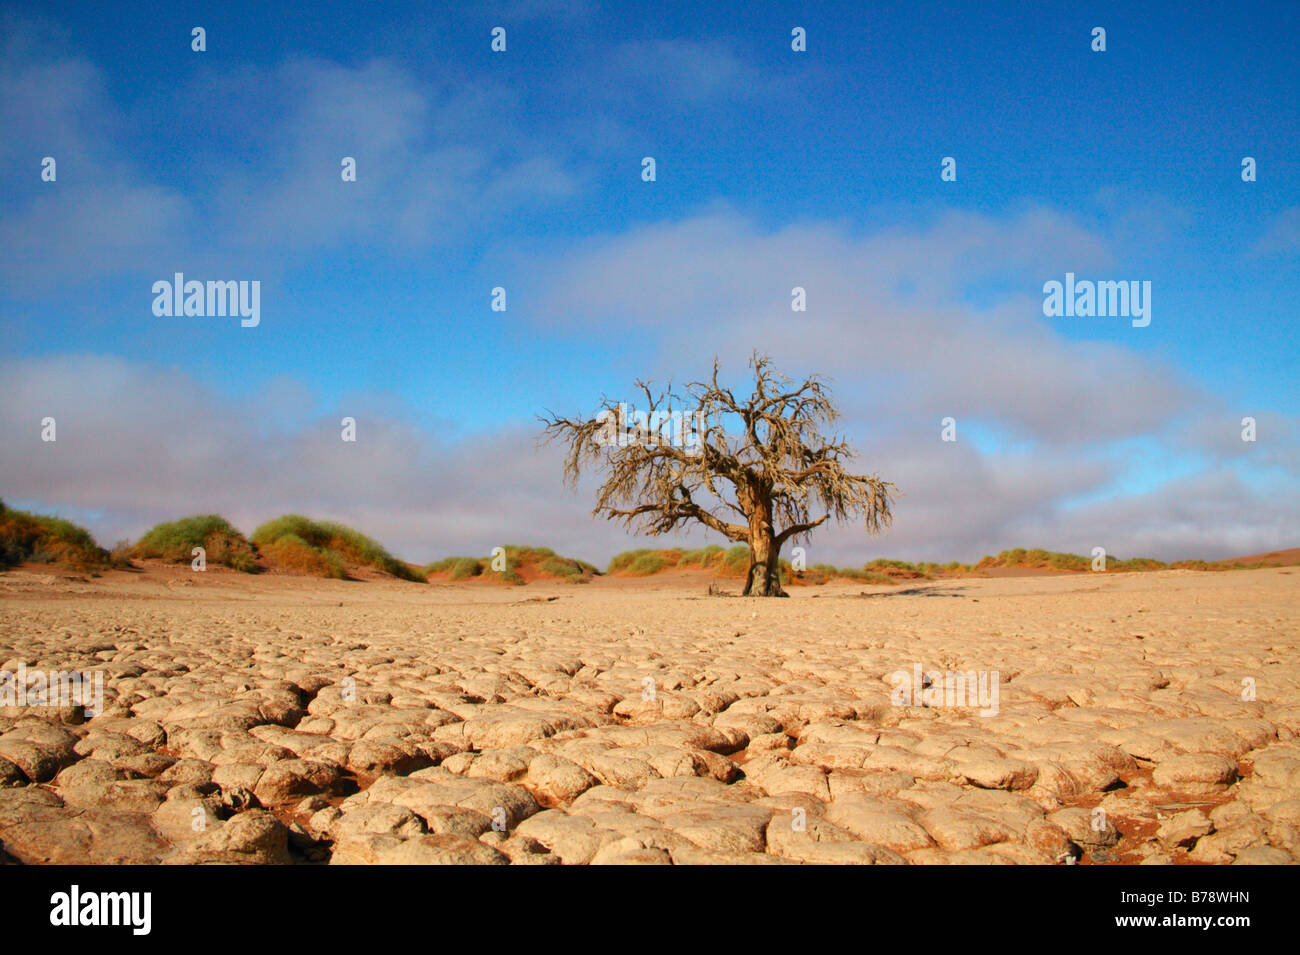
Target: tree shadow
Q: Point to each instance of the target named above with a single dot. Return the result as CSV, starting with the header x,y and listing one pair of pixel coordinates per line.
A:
x,y
941,590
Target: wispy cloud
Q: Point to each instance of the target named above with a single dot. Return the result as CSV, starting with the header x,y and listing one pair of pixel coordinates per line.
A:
x,y
886,315
430,173
689,71
1282,236
138,444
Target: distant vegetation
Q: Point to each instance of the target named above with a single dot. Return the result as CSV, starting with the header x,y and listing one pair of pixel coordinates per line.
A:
x,y
1037,558
734,561
821,573
519,560
457,568
324,548
731,562
176,540
46,540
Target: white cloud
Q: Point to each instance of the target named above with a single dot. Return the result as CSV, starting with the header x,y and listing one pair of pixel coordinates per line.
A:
x,y
138,444
1282,235
682,70
716,284
430,170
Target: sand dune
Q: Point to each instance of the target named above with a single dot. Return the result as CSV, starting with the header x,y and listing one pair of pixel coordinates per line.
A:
x,y
274,719
1277,558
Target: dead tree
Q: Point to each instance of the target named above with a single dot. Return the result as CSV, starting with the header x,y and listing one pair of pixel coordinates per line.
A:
x,y
695,457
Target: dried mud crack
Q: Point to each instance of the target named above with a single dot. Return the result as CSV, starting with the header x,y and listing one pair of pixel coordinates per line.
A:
x,y
1151,719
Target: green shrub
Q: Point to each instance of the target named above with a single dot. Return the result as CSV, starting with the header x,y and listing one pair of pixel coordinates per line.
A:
x,y
864,576
466,567
46,540
736,559
336,544
624,560
700,557
559,567
574,571
646,564
1137,564
544,558
120,556
1068,562
440,566
882,563
176,540
644,561
517,554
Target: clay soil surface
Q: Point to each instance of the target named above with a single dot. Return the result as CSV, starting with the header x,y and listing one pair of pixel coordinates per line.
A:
x,y
1147,717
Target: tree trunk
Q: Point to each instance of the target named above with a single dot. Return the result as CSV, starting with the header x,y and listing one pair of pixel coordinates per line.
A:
x,y
764,577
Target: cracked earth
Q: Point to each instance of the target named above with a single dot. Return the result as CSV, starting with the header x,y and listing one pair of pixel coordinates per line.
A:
x,y
1141,718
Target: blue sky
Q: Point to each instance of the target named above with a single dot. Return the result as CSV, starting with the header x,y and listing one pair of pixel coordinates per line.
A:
x,y
774,168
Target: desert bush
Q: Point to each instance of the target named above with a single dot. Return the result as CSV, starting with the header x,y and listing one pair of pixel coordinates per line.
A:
x,y
517,554
546,560
562,567
335,544
736,559
570,569
700,557
644,561
884,563
898,569
646,564
120,556
559,567
176,540
1136,564
291,552
624,560
1068,562
466,567
47,540
865,576
440,566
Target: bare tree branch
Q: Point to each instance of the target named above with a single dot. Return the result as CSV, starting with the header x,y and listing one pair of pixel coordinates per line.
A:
x,y
775,471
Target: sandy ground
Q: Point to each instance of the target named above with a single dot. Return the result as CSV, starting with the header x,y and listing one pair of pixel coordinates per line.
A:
x,y
1139,718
